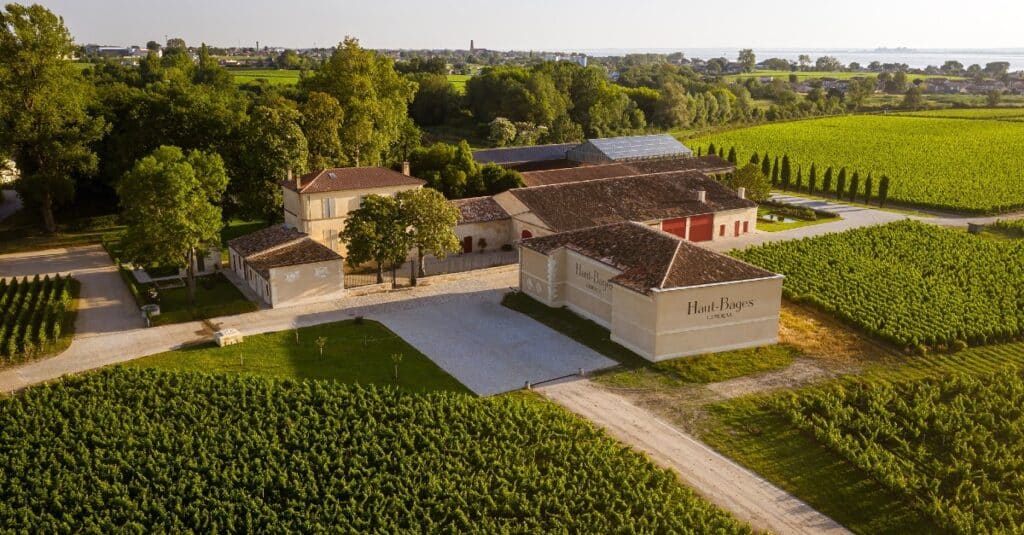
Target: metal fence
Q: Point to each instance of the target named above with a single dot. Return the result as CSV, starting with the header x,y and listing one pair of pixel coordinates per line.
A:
x,y
401,276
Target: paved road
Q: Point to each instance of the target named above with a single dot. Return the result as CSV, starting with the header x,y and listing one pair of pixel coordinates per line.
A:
x,y
104,306
488,347
103,349
852,217
723,482
11,203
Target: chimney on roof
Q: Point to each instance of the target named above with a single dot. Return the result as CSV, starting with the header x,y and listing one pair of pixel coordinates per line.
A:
x,y
405,168
296,179
702,196
741,192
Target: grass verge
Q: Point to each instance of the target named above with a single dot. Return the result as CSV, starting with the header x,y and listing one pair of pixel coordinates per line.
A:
x,y
701,369
215,297
355,351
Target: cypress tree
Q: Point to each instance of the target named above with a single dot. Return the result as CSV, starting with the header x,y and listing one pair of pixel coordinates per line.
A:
x,y
775,172
755,159
732,156
812,180
826,186
699,149
883,190
711,149
721,152
868,186
787,172
766,166
841,183
854,186
799,178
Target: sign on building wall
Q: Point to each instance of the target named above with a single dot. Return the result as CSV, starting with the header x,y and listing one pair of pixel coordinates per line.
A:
x,y
591,279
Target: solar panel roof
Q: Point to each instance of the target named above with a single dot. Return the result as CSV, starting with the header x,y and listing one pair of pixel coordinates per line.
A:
x,y
633,147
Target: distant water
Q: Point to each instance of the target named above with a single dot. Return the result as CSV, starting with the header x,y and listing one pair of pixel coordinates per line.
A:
x,y
915,58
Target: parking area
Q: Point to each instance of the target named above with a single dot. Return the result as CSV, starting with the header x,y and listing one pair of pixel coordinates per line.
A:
x,y
487,347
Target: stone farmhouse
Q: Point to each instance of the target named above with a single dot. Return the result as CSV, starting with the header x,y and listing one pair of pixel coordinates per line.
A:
x,y
659,295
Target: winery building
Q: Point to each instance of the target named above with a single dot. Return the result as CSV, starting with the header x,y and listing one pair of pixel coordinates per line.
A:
x,y
659,296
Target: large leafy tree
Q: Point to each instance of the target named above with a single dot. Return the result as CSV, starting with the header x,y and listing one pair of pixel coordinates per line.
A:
x,y
377,232
373,96
171,206
322,118
274,143
44,124
430,221
757,184
436,102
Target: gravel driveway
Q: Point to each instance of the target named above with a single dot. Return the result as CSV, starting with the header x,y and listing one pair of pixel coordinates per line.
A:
x,y
488,347
104,305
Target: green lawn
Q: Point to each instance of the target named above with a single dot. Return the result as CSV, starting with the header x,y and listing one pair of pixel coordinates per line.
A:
x,y
778,226
636,370
272,76
215,296
459,81
355,352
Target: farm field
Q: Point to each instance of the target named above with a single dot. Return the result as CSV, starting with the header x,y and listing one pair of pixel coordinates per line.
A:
x,y
969,166
36,317
960,395
179,452
459,81
911,284
273,76
1006,114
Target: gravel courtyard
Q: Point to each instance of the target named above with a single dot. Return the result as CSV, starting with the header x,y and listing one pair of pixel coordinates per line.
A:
x,y
487,347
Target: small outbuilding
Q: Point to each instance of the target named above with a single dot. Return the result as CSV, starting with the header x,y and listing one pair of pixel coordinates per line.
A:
x,y
286,267
660,296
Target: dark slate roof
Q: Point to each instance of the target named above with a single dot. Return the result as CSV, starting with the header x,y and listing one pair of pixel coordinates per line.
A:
x,y
577,205
709,164
305,251
649,259
351,178
577,174
264,239
515,155
479,210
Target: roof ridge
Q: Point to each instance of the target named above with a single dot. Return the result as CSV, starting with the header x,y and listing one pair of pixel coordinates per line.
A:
x,y
668,270
278,247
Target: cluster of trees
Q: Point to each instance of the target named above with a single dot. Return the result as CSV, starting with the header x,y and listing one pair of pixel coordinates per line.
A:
x,y
75,135
451,170
384,229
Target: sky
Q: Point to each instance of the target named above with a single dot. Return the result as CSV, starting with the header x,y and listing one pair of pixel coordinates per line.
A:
x,y
552,25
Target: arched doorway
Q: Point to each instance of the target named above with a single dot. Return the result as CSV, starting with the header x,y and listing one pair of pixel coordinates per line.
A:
x,y
526,235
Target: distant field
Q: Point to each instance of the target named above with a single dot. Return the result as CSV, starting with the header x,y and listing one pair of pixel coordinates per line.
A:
x,y
459,81
841,75
1011,114
273,76
970,166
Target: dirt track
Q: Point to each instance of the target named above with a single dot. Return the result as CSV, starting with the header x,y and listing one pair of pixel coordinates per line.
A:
x,y
720,480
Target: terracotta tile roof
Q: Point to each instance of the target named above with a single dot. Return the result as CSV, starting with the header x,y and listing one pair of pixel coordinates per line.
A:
x,y
479,210
264,239
305,251
576,205
710,164
349,178
576,174
649,259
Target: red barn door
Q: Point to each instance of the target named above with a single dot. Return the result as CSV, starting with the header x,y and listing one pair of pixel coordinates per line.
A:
x,y
702,227
675,226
